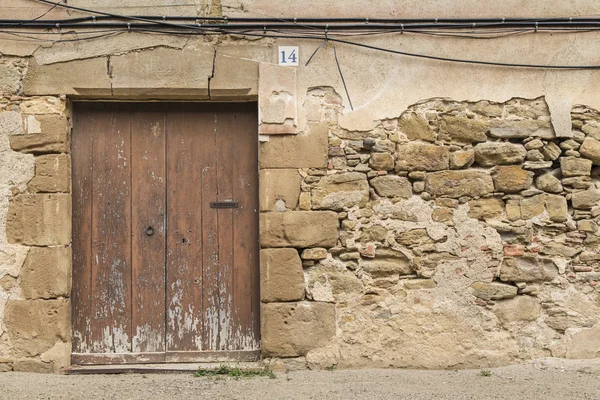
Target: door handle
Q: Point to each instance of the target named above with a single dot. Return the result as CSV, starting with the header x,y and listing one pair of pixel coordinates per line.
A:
x,y
149,231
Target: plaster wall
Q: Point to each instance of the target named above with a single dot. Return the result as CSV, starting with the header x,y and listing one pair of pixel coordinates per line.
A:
x,y
307,125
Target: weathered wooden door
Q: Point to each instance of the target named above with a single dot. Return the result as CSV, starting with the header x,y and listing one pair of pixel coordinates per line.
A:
x,y
165,232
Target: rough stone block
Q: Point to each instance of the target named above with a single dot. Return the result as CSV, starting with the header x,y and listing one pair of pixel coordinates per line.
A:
x,y
279,185
557,208
306,150
486,208
387,267
381,161
340,191
415,284
511,179
277,100
293,329
79,77
460,183
527,269
317,253
548,183
586,199
532,206
551,151
163,72
234,78
46,273
493,290
462,159
499,153
52,174
299,229
10,80
590,148
571,166
420,156
518,129
281,275
328,283
414,237
416,128
39,220
392,186
6,366
32,365
583,343
520,309
34,326
463,130
46,134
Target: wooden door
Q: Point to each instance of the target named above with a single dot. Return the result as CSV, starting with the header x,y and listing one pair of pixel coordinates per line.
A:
x,y
165,232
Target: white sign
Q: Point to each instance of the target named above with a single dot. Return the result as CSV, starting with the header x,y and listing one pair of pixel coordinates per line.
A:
x,y
288,56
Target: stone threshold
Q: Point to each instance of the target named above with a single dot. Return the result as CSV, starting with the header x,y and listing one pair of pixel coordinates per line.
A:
x,y
167,368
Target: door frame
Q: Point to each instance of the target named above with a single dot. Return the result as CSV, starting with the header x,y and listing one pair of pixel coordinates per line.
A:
x,y
207,356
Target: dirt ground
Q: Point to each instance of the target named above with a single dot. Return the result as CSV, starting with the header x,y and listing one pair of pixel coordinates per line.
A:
x,y
540,379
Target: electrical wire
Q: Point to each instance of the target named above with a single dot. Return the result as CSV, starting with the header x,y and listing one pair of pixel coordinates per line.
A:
x,y
42,15
367,46
231,30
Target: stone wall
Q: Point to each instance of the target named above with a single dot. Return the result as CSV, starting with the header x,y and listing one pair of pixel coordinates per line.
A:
x,y
451,234
35,234
468,237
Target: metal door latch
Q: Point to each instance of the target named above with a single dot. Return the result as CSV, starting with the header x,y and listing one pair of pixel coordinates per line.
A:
x,y
224,204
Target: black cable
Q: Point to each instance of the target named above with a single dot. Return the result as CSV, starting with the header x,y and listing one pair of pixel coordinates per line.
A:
x,y
42,15
330,27
408,54
342,76
362,45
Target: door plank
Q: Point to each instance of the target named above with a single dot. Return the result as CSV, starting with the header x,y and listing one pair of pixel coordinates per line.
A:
x,y
110,325
184,226
148,183
210,239
242,123
224,161
84,123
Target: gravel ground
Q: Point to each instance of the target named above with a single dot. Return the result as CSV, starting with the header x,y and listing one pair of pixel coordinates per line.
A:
x,y
540,379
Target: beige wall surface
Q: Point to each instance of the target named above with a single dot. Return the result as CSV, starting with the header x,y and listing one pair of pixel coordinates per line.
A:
x,y
343,193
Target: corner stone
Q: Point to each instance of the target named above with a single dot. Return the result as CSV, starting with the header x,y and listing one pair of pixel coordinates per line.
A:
x,y
52,136
300,229
293,329
34,326
39,220
281,275
46,273
279,184
304,150
52,174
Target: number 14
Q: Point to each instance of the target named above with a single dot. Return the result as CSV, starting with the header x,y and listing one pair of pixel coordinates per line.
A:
x,y
288,55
